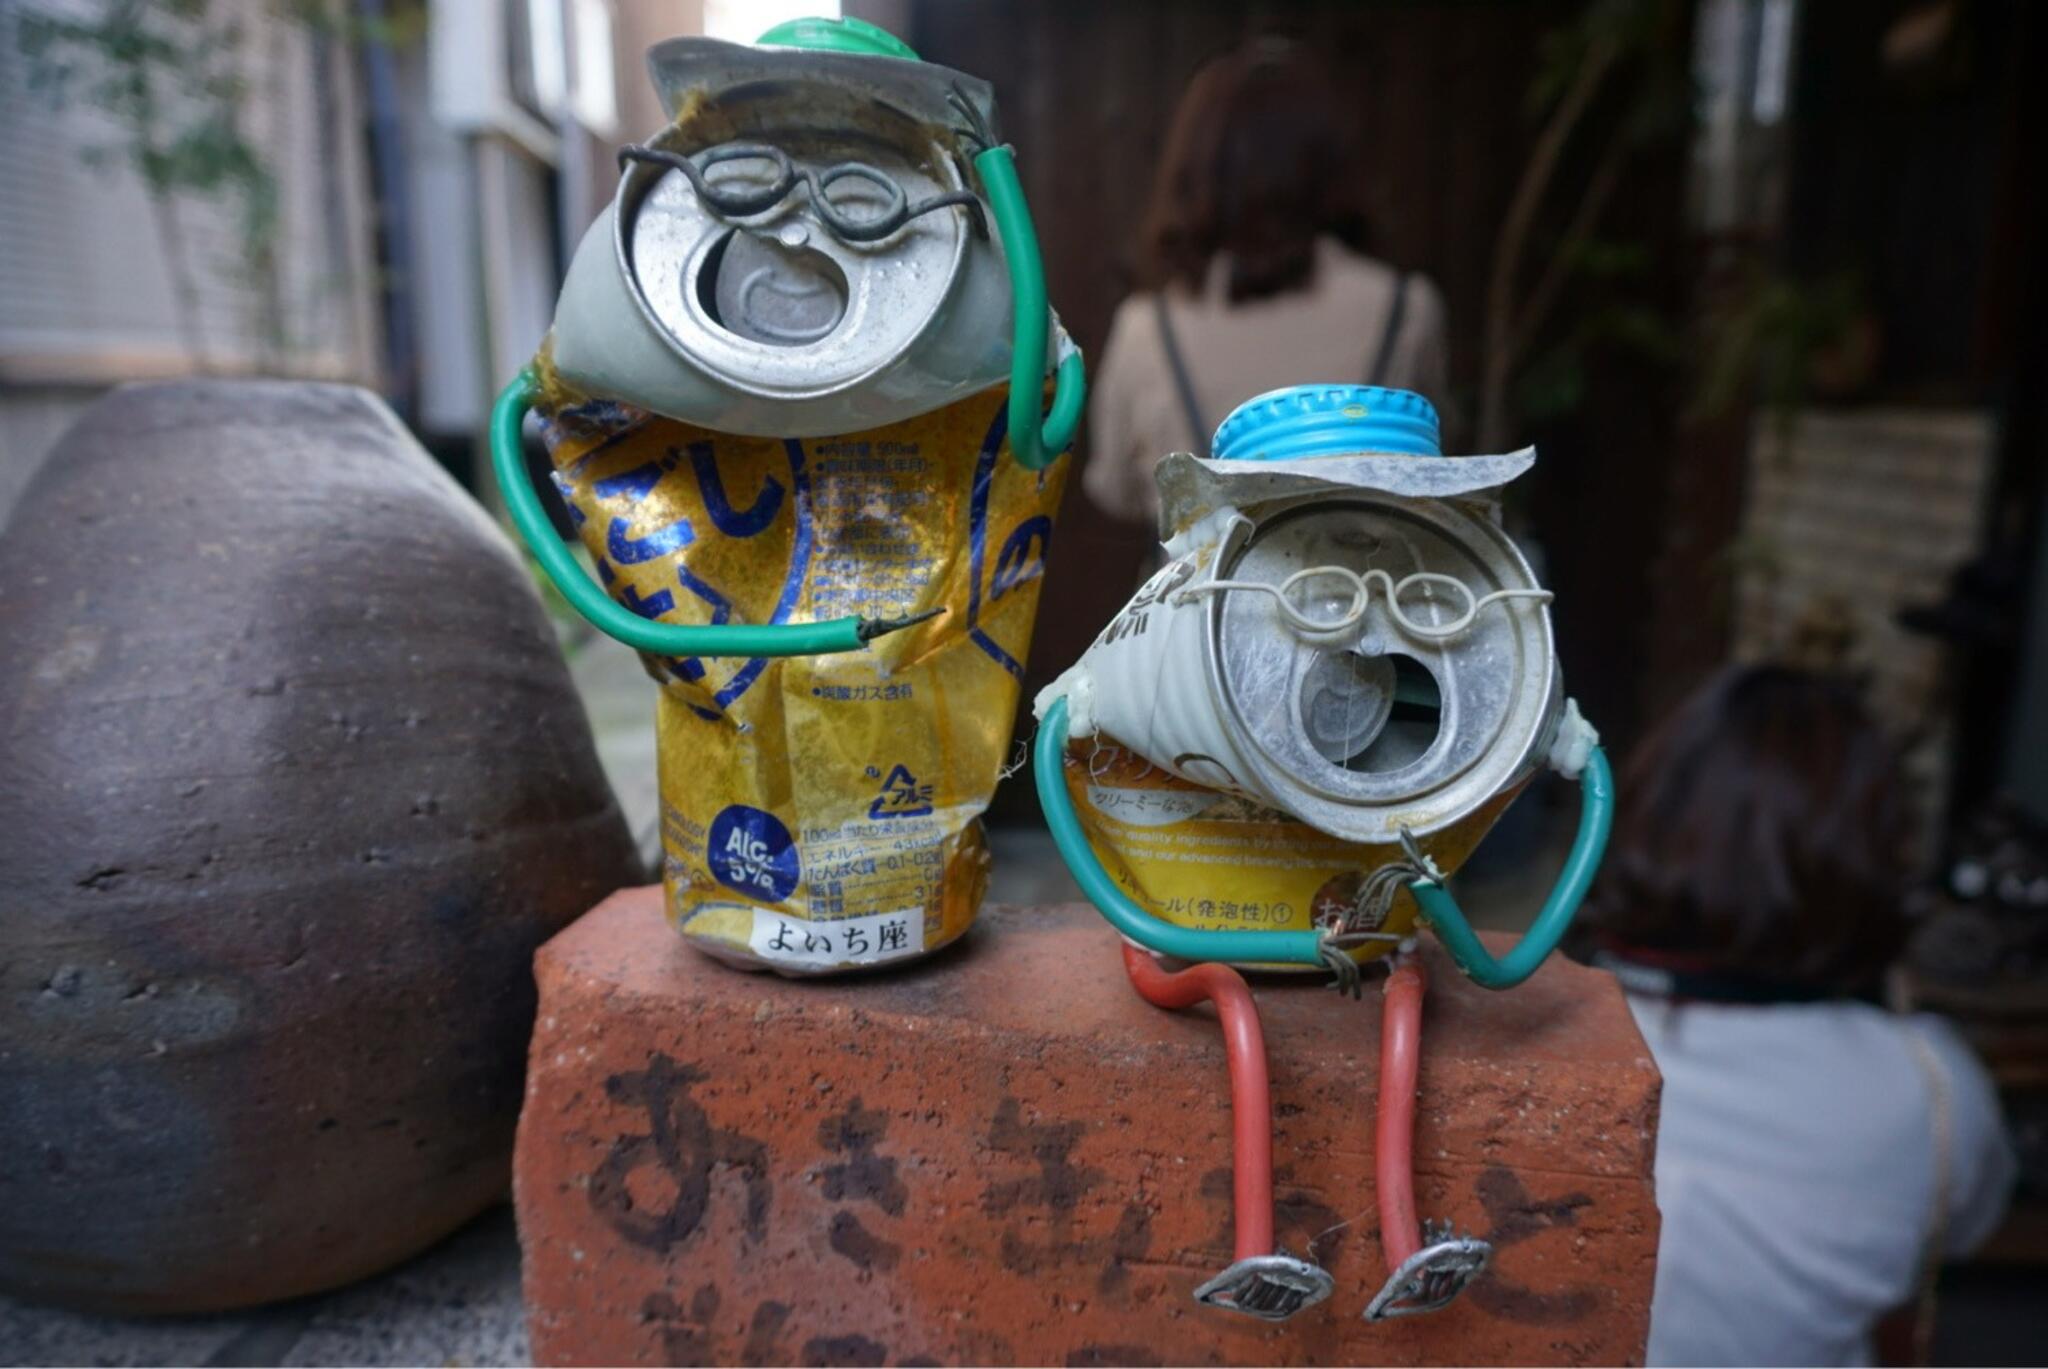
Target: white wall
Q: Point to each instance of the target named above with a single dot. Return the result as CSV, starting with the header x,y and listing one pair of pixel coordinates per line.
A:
x,y
86,294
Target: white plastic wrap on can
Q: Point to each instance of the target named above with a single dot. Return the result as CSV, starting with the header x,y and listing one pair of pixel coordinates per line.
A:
x,y
1574,743
1144,682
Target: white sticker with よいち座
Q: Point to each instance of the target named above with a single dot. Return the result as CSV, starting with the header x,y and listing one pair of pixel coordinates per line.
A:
x,y
871,940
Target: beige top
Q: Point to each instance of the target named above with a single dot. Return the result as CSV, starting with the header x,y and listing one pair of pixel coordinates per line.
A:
x,y
1329,331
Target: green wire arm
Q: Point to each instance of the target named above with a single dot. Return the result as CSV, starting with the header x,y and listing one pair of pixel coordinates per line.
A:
x,y
1188,943
1440,911
508,459
1035,444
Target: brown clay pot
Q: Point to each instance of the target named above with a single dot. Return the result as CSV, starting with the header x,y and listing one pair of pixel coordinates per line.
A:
x,y
292,783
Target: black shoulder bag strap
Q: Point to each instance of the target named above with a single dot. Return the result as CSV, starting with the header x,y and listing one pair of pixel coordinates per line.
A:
x,y
1182,381
1376,374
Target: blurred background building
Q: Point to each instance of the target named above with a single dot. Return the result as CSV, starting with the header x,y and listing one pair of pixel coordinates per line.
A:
x,y
1762,279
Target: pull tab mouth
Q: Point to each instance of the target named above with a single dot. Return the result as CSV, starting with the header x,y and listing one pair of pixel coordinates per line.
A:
x,y
772,289
1346,702
1380,662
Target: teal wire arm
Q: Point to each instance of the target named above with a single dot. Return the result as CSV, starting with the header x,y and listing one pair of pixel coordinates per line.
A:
x,y
1443,916
1163,938
1439,909
508,460
1035,442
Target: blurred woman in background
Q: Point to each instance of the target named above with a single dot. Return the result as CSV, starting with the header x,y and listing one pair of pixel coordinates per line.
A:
x,y
1255,258
1817,1155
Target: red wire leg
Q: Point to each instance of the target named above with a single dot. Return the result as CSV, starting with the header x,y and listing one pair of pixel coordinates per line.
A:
x,y
1400,1064
1244,1046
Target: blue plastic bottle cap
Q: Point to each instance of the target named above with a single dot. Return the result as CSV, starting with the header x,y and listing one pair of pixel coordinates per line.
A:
x,y
1328,420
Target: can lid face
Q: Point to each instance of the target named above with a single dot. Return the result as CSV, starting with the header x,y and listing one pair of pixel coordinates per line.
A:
x,y
771,294
1304,421
777,303
1371,728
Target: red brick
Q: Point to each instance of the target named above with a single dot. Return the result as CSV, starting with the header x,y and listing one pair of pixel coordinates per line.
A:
x,y
1004,1155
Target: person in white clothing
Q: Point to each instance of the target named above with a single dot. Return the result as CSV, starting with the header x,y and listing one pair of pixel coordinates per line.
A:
x,y
1817,1154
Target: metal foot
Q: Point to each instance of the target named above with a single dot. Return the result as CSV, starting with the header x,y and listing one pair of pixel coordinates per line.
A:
x,y
1271,1287
1431,1277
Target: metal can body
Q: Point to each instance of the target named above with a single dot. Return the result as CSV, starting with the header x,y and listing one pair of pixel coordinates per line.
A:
x,y
821,813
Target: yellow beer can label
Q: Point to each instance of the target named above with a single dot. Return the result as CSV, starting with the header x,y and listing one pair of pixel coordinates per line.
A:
x,y
1202,858
822,813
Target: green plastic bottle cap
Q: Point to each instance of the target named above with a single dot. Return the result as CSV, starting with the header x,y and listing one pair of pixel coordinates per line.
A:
x,y
856,36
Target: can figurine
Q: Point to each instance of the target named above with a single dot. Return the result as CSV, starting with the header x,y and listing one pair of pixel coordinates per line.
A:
x,y
793,399
1278,751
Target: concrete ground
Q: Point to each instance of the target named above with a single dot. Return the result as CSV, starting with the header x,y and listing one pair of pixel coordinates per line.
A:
x,y
458,1304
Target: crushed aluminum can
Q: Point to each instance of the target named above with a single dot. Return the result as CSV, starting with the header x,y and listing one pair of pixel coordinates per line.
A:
x,y
776,391
1233,772
768,323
